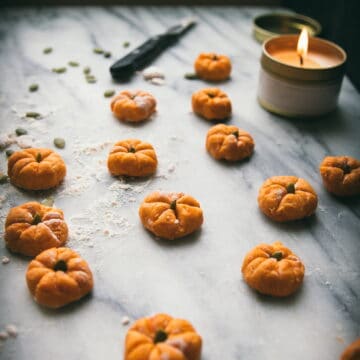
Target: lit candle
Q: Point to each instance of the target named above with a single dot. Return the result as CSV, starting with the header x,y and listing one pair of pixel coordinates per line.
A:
x,y
300,76
298,56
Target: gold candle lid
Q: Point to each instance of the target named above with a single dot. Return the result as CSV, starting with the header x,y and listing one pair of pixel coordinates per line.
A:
x,y
333,70
273,24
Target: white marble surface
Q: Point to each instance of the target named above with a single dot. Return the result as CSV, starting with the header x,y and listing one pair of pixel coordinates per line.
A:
x,y
197,278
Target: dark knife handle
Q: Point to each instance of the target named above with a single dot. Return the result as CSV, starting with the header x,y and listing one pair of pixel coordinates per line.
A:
x,y
141,56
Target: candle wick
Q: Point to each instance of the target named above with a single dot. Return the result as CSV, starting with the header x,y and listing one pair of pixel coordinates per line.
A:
x,y
301,60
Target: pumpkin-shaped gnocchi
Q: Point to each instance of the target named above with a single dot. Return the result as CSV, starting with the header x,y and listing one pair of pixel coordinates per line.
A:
x,y
32,228
133,106
162,337
286,198
341,175
212,67
58,276
273,270
228,142
132,157
170,215
352,352
36,169
211,104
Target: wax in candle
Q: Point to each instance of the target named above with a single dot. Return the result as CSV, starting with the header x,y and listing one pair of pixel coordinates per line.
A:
x,y
292,58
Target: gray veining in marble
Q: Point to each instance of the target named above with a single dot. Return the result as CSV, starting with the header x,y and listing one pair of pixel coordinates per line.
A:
x,y
198,278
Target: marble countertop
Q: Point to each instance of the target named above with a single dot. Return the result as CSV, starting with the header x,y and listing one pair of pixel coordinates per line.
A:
x,y
198,278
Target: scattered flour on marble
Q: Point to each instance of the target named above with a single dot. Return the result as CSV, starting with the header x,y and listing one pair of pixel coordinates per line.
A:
x,y
24,141
157,81
11,330
153,72
7,140
5,260
171,168
125,320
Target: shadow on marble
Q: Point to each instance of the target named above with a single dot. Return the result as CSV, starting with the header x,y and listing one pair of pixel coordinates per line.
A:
x,y
272,301
231,164
333,122
184,241
135,124
296,226
67,309
351,202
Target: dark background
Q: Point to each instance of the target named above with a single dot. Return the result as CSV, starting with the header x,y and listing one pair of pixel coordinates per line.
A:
x,y
340,19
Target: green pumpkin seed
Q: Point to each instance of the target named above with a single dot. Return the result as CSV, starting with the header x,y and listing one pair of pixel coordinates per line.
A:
x,y
59,70
109,93
33,87
9,152
107,54
32,114
91,79
3,178
190,76
126,44
48,50
98,51
38,157
86,70
59,143
73,63
20,131
49,201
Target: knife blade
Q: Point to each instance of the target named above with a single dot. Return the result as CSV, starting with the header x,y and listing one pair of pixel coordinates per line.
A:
x,y
144,54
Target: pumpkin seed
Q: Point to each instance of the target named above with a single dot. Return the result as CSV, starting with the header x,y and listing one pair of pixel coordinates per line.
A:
x,y
131,149
191,76
38,157
91,79
126,44
107,54
33,87
290,188
160,336
60,266
278,255
36,219
109,93
86,70
235,133
20,131
48,50
73,63
3,178
49,201
59,70
59,143
98,51
9,152
32,114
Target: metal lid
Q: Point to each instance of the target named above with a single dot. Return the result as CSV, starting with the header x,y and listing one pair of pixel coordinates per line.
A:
x,y
269,25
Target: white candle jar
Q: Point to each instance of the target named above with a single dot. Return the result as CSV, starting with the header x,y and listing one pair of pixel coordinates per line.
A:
x,y
298,91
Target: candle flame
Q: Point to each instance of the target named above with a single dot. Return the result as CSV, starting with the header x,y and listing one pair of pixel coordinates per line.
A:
x,y
303,43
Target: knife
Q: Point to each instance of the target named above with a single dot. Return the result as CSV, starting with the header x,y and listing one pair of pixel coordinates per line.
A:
x,y
149,50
